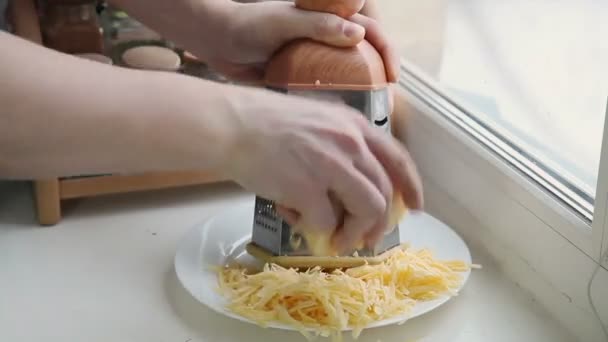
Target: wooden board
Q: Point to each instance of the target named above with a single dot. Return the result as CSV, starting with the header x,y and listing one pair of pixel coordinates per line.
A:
x,y
95,186
48,202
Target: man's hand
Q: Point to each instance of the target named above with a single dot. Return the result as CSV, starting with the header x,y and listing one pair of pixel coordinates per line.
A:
x,y
256,31
312,158
237,39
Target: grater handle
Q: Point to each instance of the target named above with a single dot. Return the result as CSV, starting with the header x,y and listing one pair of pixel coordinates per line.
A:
x,y
341,8
307,64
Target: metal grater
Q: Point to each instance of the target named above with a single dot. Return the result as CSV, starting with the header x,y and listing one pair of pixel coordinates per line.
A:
x,y
270,231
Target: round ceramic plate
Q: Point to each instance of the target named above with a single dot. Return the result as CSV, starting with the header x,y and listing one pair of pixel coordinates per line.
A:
x,y
223,238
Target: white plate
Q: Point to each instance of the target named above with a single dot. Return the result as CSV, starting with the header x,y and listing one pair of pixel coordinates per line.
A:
x,y
224,236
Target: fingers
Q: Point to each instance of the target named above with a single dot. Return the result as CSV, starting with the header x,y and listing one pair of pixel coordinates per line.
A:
x,y
289,215
376,234
316,213
363,205
374,171
316,227
389,222
376,36
398,164
323,27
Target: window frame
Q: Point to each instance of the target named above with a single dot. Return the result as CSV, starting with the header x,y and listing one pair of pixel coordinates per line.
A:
x,y
600,223
493,159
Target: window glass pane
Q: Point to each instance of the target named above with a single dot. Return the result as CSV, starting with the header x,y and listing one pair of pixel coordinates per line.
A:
x,y
535,71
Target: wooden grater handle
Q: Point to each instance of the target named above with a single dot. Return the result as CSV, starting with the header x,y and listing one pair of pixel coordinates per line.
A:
x,y
306,64
342,8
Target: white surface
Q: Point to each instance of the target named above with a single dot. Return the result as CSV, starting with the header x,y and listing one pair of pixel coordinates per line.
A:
x,y
106,274
222,240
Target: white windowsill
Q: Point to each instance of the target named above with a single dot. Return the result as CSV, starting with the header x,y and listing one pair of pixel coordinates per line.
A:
x,y
540,245
105,273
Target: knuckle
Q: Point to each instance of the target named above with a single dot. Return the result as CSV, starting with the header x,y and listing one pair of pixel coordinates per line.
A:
x,y
347,139
328,25
328,160
373,25
377,208
321,215
351,143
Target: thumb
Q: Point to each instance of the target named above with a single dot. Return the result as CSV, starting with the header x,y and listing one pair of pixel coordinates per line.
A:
x,y
324,27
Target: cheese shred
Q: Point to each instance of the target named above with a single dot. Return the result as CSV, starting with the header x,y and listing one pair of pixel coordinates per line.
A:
x,y
324,303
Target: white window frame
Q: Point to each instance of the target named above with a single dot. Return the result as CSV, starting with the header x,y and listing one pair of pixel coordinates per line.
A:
x,y
586,234
600,222
537,240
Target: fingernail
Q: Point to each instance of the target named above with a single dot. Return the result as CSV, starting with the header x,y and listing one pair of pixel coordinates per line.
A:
x,y
352,30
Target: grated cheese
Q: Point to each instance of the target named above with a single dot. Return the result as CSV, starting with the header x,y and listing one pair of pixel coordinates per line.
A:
x,y
320,303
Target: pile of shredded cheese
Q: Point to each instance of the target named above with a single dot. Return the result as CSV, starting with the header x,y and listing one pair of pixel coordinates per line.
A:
x,y
322,303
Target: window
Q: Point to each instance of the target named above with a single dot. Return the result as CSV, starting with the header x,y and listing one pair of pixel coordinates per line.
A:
x,y
531,77
509,103
533,73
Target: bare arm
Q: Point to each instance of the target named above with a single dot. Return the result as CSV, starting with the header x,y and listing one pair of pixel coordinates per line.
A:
x,y
61,116
237,39
188,23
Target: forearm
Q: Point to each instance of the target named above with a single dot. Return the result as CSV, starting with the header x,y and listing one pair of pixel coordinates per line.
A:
x,y
62,116
177,20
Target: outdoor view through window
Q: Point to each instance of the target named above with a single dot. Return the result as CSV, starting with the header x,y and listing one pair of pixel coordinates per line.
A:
x,y
534,71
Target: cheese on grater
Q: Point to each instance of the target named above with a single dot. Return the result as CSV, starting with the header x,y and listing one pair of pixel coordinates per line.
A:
x,y
320,243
